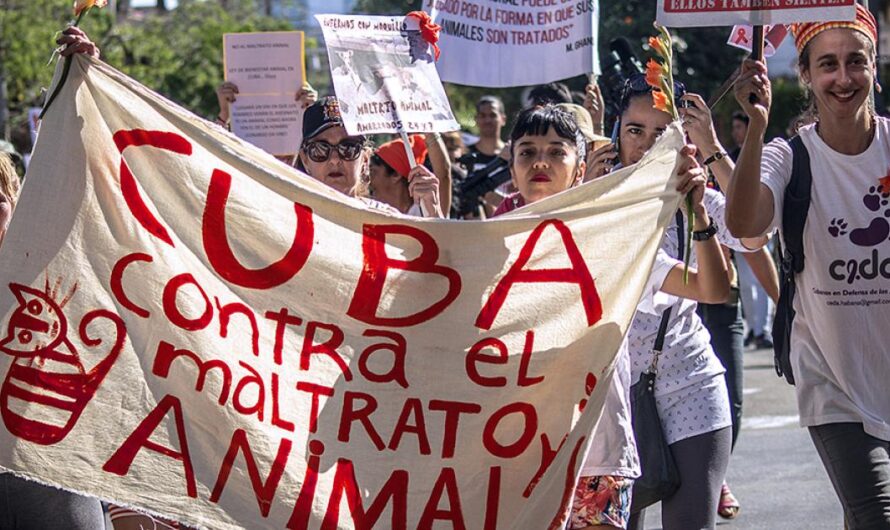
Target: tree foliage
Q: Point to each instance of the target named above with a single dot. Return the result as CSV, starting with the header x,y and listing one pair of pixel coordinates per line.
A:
x,y
179,53
176,53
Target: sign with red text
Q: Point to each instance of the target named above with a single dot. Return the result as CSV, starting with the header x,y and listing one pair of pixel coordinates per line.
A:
x,y
506,43
696,13
193,328
384,75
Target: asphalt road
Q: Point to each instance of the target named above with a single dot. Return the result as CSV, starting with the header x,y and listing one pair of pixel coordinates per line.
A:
x,y
775,471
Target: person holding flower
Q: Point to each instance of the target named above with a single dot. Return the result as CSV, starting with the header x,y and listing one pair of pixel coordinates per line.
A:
x,y
838,352
690,390
548,157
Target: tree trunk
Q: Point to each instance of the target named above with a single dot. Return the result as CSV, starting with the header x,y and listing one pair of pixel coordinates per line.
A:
x,y
162,5
268,8
123,9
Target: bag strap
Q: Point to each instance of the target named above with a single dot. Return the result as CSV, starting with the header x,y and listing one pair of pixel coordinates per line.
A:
x,y
795,206
658,346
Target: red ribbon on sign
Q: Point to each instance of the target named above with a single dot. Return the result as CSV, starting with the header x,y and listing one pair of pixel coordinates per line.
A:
x,y
742,37
429,30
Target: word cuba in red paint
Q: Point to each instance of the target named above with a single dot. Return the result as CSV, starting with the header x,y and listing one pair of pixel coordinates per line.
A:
x,y
376,265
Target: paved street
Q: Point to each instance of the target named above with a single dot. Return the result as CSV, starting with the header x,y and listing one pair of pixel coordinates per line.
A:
x,y
774,470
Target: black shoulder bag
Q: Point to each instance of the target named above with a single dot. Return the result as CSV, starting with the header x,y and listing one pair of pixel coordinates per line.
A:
x,y
660,477
795,206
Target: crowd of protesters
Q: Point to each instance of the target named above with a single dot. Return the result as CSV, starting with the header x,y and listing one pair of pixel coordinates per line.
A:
x,y
740,199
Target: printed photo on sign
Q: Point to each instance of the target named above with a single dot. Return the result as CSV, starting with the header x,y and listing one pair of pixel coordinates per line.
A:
x,y
385,76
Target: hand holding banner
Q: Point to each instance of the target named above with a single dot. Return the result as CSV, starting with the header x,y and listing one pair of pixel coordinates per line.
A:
x,y
259,351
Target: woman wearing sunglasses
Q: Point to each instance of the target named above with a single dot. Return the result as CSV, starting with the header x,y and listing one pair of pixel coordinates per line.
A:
x,y
547,151
690,389
328,154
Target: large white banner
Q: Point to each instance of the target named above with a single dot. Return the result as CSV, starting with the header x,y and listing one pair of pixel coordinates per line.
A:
x,y
695,13
384,75
497,43
191,327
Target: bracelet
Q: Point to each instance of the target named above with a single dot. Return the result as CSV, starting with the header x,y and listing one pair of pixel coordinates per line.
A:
x,y
706,234
719,155
220,120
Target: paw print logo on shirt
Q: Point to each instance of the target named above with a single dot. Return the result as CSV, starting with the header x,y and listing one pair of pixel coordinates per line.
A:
x,y
877,200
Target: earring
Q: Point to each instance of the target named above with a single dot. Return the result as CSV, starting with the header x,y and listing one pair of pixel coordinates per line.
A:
x,y
878,88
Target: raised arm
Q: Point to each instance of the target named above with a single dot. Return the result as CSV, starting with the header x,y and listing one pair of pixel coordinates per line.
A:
x,y
764,270
441,168
749,203
699,125
708,283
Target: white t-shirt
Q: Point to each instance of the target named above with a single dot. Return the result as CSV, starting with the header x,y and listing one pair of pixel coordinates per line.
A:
x,y
841,363
687,358
613,450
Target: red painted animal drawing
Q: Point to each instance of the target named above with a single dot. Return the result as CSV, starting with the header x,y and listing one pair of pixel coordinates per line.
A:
x,y
48,385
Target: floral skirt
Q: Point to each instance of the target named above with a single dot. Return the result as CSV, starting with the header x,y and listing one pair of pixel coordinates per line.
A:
x,y
601,500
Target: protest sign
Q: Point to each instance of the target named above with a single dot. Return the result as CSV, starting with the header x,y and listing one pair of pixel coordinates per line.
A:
x,y
742,37
695,13
268,68
515,43
190,327
384,75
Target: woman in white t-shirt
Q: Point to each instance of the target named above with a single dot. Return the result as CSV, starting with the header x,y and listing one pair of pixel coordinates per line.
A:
x,y
839,352
547,151
690,390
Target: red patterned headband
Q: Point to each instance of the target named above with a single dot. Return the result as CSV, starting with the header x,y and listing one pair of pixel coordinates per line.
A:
x,y
864,22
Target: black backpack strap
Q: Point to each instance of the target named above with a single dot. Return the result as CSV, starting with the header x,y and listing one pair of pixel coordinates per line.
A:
x,y
795,206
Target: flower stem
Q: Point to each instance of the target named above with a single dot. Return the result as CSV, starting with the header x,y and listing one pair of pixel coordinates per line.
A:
x,y
65,69
690,221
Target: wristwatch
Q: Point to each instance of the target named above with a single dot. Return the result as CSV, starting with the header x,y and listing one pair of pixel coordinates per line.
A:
x,y
706,234
719,155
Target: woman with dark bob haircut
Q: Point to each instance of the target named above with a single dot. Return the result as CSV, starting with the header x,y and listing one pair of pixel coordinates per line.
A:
x,y
547,158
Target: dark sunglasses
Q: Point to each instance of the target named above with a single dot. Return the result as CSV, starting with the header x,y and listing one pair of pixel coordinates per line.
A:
x,y
320,150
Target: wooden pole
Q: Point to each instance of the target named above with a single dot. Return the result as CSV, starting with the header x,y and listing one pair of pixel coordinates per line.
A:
x,y
756,52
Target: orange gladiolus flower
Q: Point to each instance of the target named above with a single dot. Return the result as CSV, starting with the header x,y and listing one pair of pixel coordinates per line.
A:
x,y
654,71
81,5
660,101
657,46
